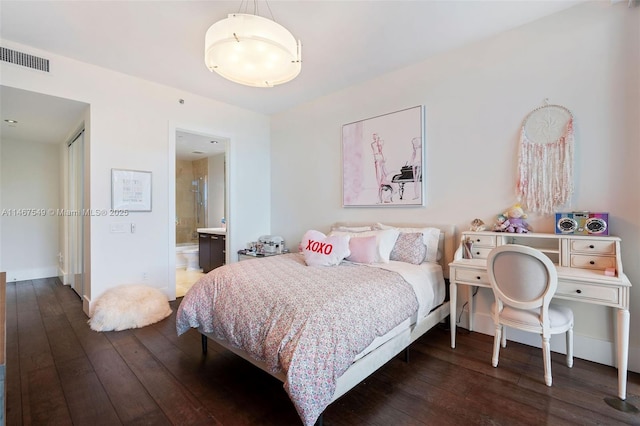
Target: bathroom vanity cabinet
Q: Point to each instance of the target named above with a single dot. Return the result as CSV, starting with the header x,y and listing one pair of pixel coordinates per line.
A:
x,y
212,251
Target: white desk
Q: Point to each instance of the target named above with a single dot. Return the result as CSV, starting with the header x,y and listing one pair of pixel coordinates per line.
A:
x,y
580,262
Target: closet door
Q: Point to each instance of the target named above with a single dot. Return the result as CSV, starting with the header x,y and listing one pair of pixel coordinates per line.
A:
x,y
75,224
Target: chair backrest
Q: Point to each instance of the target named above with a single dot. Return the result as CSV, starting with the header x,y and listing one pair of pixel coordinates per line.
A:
x,y
522,277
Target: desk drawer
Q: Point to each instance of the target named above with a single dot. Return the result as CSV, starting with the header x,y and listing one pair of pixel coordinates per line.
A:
x,y
609,295
593,246
483,240
469,276
592,262
480,253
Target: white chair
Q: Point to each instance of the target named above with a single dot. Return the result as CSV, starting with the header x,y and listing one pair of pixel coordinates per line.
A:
x,y
523,281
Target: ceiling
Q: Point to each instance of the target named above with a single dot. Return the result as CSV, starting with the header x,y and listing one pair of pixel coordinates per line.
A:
x,y
190,146
343,42
41,118
49,119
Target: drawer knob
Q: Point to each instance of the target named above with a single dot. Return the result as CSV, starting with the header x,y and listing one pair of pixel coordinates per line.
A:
x,y
478,253
477,278
591,246
478,240
592,262
578,291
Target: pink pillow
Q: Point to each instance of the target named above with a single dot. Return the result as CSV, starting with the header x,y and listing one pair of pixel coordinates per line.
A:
x,y
320,250
385,239
363,249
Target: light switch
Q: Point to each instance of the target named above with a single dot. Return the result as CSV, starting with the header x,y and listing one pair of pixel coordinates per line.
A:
x,y
117,227
133,228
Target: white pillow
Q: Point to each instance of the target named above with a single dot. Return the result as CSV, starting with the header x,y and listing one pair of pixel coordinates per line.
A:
x,y
431,238
320,250
385,241
352,228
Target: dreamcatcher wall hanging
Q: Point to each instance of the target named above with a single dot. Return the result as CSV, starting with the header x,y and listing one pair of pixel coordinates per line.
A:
x,y
545,164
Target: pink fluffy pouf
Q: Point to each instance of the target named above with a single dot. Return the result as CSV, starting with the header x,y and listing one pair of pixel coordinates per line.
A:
x,y
129,306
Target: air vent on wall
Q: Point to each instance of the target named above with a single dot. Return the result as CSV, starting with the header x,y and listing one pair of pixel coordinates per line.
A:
x,y
24,59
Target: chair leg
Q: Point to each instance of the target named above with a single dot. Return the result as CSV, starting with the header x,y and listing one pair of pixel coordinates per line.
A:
x,y
546,358
496,345
504,336
570,347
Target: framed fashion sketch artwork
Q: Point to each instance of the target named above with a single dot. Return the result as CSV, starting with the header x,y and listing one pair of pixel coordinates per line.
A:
x,y
130,190
383,160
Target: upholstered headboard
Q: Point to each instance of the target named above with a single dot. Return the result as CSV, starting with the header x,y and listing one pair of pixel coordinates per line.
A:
x,y
447,246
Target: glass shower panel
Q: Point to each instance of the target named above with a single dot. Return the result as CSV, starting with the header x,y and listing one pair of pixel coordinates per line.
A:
x,y
200,202
191,199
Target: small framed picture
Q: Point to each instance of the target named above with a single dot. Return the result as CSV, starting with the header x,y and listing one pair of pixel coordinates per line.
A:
x,y
130,190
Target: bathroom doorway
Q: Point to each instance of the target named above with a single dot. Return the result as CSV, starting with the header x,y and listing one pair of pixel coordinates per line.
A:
x,y
200,199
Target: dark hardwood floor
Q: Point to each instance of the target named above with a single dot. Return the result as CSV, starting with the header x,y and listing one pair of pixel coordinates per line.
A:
x,y
59,372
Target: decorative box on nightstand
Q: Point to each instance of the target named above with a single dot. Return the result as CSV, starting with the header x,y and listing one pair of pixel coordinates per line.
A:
x,y
246,255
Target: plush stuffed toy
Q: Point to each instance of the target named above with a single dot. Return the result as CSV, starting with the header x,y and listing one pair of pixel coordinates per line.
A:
x,y
516,217
501,223
513,220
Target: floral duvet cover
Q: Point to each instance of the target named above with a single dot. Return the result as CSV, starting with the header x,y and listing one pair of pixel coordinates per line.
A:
x,y
306,322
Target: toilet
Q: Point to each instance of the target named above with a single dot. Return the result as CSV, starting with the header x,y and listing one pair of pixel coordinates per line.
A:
x,y
193,259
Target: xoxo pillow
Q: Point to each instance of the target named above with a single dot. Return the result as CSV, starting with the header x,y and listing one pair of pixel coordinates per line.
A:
x,y
320,250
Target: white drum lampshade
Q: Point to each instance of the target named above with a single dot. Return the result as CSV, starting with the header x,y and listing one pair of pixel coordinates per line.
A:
x,y
252,50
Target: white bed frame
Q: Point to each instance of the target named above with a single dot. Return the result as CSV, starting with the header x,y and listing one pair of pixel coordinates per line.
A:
x,y
365,366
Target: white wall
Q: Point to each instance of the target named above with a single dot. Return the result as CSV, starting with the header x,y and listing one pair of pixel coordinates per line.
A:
x,y
29,181
586,58
132,125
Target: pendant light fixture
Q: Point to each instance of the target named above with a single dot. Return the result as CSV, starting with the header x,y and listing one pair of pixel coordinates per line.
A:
x,y
252,50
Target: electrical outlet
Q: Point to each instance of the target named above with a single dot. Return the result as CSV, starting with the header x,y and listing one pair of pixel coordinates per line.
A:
x,y
144,276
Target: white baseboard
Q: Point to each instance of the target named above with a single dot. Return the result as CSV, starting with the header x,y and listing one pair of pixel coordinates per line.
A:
x,y
31,273
86,305
584,347
64,277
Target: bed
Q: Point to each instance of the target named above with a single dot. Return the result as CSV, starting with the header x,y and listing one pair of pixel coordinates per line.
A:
x,y
322,330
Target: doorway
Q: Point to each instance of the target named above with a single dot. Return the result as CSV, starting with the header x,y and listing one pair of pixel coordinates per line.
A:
x,y
35,155
200,199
